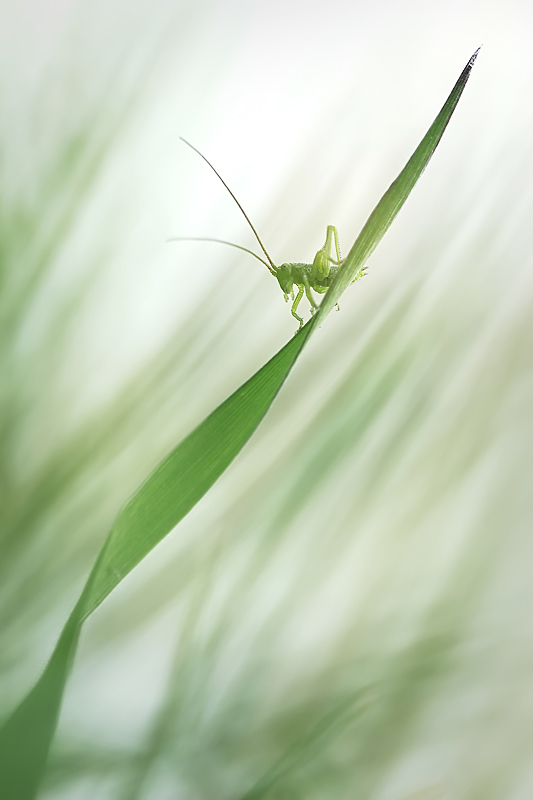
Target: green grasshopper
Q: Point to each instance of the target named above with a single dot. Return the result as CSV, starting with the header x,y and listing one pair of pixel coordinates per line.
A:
x,y
317,276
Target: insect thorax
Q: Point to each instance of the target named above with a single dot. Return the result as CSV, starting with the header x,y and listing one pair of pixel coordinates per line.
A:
x,y
299,274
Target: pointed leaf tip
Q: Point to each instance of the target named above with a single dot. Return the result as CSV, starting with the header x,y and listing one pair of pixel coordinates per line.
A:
x,y
473,57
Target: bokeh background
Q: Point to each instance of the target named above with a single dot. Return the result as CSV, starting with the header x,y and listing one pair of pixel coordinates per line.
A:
x,y
347,613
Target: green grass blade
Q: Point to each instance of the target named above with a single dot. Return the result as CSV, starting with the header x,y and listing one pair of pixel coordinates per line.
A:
x,y
186,474
168,494
180,481
26,736
388,207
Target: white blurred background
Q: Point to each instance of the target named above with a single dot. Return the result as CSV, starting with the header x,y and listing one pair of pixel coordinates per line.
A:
x,y
346,614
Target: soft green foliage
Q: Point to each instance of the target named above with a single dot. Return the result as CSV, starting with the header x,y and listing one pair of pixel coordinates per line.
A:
x,y
344,614
175,486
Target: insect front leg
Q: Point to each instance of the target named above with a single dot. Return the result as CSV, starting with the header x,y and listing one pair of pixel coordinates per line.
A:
x,y
308,294
360,274
295,306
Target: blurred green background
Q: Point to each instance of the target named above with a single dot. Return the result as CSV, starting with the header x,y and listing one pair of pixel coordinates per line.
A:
x,y
346,613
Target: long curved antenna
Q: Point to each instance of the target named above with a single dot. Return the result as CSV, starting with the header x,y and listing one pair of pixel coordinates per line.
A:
x,y
263,248
220,241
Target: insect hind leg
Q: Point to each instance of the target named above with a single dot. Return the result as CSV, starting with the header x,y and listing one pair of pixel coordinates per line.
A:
x,y
323,259
331,233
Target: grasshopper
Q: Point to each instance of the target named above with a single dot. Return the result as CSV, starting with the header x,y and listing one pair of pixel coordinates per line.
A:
x,y
317,276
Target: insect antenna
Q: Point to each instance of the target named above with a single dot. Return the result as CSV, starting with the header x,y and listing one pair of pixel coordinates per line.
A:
x,y
220,241
263,248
